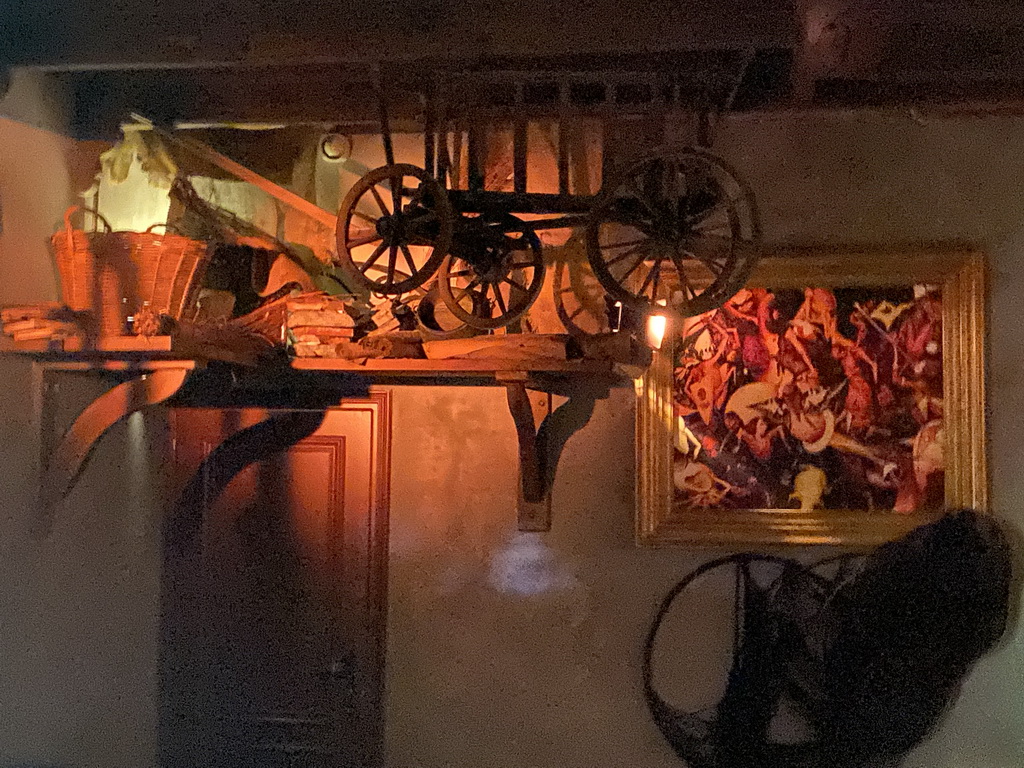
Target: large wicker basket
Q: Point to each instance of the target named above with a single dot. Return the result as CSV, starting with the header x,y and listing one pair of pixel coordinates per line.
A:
x,y
113,275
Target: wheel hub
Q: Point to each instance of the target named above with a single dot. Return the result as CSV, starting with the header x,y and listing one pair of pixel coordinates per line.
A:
x,y
491,268
392,228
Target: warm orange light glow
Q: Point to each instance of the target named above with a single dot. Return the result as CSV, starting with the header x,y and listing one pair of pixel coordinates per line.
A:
x,y
657,327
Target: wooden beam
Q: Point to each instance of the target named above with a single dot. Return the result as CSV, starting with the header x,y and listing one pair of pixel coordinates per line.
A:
x,y
520,147
286,196
529,410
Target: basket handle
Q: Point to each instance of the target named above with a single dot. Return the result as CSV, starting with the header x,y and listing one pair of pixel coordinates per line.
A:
x,y
171,229
75,209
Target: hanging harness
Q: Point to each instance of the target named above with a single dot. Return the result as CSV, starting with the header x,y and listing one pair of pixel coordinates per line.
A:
x,y
867,658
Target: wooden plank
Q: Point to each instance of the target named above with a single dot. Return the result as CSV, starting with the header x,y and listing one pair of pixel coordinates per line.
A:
x,y
104,344
520,144
529,410
477,150
482,366
564,141
127,348
518,350
116,366
286,196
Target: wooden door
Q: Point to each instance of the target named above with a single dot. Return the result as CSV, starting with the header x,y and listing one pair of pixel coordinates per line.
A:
x,y
274,588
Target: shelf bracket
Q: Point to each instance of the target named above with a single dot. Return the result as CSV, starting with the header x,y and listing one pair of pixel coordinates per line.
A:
x,y
546,415
62,461
529,410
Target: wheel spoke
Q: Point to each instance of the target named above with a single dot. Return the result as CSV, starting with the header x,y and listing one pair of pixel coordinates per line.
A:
x,y
648,206
716,268
377,252
364,240
707,248
523,266
365,217
672,189
461,273
714,264
638,241
651,279
392,264
379,200
696,218
408,259
508,279
499,298
396,194
713,221
466,291
632,269
626,255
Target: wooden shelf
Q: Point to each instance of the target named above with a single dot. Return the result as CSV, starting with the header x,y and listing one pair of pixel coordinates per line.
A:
x,y
105,346
109,350
151,370
480,367
125,348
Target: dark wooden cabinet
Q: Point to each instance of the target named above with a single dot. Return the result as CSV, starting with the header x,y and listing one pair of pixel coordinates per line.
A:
x,y
275,588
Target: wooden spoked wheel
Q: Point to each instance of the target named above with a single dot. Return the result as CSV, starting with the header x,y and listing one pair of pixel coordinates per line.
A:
x,y
435,320
394,228
494,273
578,298
678,228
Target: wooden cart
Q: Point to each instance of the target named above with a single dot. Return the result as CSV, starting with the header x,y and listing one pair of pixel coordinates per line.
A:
x,y
676,228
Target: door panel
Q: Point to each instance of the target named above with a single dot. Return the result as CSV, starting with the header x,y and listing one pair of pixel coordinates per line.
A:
x,y
273,626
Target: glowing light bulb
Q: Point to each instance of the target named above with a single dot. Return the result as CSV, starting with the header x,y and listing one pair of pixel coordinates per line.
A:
x,y
657,327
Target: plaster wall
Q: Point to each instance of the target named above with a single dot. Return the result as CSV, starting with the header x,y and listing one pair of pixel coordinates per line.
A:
x,y
518,649
505,649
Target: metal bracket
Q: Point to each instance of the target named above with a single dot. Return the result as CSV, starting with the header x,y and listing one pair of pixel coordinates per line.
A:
x,y
62,461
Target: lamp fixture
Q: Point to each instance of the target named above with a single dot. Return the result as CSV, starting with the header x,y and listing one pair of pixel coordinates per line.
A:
x,y
657,326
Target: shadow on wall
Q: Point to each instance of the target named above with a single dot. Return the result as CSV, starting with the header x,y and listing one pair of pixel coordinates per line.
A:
x,y
1015,538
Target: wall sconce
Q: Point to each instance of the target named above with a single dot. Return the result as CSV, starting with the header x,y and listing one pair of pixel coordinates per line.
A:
x,y
657,327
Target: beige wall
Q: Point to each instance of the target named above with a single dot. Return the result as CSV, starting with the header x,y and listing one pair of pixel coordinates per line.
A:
x,y
35,189
508,649
482,676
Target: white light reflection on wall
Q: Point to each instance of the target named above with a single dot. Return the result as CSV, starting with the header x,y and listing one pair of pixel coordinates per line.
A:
x,y
528,566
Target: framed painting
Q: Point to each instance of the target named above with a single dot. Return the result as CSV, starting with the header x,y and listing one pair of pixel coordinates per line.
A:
x,y
838,399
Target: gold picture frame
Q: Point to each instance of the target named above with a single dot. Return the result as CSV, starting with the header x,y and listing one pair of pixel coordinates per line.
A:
x,y
960,276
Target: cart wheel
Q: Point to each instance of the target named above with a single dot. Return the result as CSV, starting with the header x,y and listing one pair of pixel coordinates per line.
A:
x,y
494,273
397,217
680,228
433,318
436,321
579,299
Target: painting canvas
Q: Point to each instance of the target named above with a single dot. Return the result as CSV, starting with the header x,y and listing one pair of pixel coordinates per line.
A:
x,y
817,398
818,405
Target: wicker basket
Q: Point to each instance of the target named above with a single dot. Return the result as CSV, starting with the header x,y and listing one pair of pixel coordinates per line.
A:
x,y
116,274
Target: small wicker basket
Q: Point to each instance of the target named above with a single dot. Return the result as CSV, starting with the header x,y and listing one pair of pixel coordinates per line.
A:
x,y
113,275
